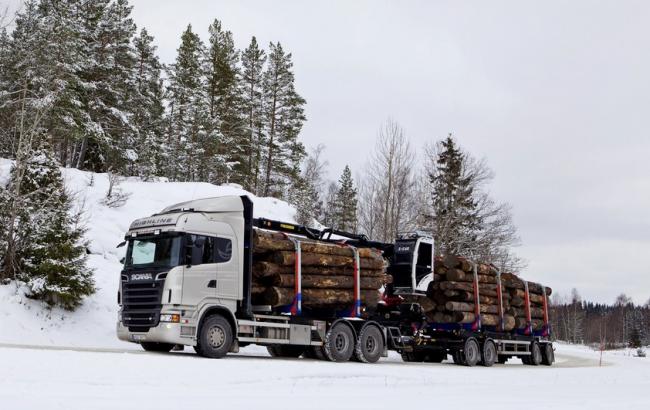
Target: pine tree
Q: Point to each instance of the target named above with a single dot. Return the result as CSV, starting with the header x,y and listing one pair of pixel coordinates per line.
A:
x,y
253,59
50,253
189,114
284,118
455,218
148,109
346,203
226,104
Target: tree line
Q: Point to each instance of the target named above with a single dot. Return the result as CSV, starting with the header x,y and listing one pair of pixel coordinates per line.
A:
x,y
217,114
621,324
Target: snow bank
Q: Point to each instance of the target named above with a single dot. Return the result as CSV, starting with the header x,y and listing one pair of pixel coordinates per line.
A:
x,y
93,324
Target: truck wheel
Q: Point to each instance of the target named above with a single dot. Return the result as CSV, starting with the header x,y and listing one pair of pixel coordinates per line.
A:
x,y
471,352
285,351
458,357
370,345
339,343
489,356
535,354
157,347
548,355
215,337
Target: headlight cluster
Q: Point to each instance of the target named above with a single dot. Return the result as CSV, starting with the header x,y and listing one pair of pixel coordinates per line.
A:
x,y
172,318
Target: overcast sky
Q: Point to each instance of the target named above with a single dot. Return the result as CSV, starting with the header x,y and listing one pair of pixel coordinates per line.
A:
x,y
555,94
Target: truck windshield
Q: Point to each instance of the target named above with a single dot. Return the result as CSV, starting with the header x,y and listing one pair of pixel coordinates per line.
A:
x,y
153,252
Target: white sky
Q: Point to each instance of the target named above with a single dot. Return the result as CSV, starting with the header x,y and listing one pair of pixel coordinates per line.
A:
x,y
555,94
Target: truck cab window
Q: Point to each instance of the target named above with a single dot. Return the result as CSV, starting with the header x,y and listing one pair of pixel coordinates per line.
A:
x,y
222,250
208,249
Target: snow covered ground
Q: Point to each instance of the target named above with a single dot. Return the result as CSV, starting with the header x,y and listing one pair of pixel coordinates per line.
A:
x,y
55,379
61,360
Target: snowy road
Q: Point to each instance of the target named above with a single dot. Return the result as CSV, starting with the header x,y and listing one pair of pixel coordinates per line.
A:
x,y
86,378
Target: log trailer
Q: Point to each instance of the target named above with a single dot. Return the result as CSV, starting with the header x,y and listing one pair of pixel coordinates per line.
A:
x,y
187,280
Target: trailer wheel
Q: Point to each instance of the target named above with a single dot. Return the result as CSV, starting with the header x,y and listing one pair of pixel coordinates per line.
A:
x,y
215,337
339,343
548,355
535,354
285,351
489,356
157,347
471,352
370,345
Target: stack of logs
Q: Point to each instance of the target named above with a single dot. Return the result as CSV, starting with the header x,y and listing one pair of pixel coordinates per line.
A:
x,y
327,272
450,297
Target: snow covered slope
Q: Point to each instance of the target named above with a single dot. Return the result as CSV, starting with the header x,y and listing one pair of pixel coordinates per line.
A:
x,y
27,321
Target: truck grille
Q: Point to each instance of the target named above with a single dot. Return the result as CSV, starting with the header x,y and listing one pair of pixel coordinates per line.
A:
x,y
141,304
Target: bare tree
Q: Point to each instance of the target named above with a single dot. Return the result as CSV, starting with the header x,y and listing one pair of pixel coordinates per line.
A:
x,y
388,186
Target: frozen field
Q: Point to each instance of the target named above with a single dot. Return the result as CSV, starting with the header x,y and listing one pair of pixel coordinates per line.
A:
x,y
36,378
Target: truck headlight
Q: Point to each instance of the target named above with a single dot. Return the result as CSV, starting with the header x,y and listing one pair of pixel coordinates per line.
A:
x,y
172,318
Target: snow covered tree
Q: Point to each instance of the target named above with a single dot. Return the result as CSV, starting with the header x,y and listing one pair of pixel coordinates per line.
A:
x,y
189,115
226,104
49,253
252,60
328,214
148,109
346,203
109,30
284,114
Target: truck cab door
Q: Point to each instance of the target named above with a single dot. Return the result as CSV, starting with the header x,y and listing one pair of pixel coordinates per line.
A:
x,y
226,259
200,272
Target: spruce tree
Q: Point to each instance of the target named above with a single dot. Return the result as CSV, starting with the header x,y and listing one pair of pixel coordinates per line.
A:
x,y
346,203
455,217
252,60
50,255
284,114
189,114
148,108
108,33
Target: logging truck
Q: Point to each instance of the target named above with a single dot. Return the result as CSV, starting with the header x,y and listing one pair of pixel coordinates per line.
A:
x,y
192,276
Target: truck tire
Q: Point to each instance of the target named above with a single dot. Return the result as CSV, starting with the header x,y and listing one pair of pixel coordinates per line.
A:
x,y
157,347
489,354
369,345
548,355
285,351
339,343
535,354
471,353
215,337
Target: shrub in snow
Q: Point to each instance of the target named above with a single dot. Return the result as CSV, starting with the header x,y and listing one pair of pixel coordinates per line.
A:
x,y
44,248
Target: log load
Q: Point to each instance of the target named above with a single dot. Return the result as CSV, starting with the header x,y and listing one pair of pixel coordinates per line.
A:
x,y
327,272
453,297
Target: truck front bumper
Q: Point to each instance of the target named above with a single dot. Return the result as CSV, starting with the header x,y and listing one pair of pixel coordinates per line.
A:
x,y
163,333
